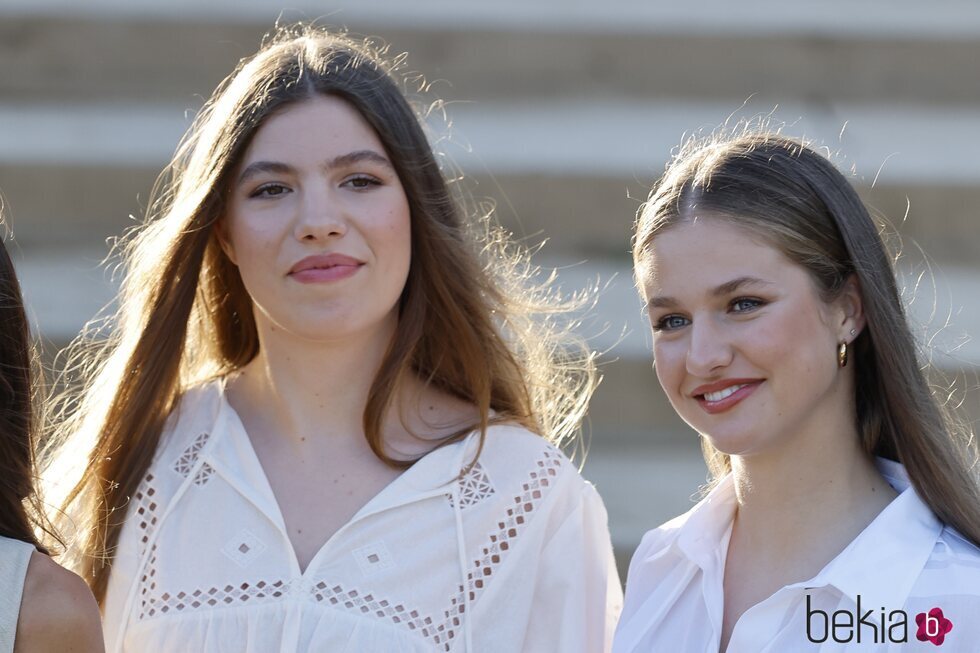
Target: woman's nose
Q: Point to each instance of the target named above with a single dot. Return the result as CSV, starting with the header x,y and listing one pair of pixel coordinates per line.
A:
x,y
709,348
321,215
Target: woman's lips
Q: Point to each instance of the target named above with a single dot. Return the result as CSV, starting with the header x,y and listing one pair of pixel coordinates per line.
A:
x,y
332,273
744,389
325,267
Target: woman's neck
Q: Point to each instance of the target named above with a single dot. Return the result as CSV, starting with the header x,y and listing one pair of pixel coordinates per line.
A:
x,y
808,503
315,394
295,387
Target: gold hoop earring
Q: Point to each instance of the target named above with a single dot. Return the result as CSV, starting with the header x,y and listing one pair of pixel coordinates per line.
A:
x,y
842,355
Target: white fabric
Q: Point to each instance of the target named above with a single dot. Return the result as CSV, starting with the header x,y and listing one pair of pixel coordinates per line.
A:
x,y
14,558
904,560
514,556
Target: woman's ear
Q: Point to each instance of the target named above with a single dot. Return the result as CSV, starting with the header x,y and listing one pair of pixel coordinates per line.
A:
x,y
850,303
221,233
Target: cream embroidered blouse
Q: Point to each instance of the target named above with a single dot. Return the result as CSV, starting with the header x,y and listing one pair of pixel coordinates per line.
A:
x,y
513,556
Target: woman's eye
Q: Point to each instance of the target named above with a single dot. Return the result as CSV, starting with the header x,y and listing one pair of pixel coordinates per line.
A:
x,y
670,323
743,304
269,190
362,181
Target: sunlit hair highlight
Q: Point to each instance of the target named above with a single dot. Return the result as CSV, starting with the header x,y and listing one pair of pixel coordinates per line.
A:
x,y
788,195
471,322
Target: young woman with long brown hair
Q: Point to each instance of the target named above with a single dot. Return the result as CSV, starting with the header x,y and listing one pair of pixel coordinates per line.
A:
x,y
845,509
325,416
43,607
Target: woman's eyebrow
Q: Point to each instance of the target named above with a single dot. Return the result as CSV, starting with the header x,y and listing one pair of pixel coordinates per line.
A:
x,y
733,285
724,289
357,157
259,167
278,167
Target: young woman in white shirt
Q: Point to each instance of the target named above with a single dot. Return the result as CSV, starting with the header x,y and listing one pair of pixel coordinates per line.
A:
x,y
844,511
325,417
44,608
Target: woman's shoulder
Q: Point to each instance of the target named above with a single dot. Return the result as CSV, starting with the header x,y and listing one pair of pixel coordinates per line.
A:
x,y
512,449
953,567
518,465
194,414
58,611
657,539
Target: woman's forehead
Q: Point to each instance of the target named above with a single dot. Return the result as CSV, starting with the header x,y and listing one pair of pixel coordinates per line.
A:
x,y
702,255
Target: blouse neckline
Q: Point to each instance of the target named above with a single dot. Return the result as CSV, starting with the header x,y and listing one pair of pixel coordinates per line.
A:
x,y
230,453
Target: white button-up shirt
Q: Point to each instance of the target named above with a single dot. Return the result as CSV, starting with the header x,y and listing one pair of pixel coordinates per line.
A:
x,y
514,555
904,564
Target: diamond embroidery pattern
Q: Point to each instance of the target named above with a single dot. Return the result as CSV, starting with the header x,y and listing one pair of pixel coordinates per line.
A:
x,y
185,463
540,480
474,487
146,510
258,592
244,548
373,558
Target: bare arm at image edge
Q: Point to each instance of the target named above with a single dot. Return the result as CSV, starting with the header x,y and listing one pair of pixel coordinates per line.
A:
x,y
58,612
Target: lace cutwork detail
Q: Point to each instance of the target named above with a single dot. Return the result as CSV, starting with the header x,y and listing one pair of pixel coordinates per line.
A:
x,y
255,592
146,510
185,463
474,487
396,613
539,481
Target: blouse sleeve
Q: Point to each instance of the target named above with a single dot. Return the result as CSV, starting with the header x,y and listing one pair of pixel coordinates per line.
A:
x,y
577,587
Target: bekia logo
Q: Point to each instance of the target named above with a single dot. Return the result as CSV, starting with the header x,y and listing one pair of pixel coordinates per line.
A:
x,y
933,626
844,626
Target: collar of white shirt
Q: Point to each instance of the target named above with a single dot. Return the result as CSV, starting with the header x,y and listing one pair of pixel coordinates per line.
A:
x,y
881,564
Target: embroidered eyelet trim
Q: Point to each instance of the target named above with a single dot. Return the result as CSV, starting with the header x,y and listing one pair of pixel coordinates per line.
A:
x,y
474,487
214,597
188,459
146,511
441,632
384,609
500,542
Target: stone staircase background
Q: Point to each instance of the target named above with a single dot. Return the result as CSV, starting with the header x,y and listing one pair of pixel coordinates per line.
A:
x,y
563,113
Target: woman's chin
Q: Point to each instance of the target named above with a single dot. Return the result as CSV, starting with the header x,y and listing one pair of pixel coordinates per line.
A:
x,y
733,443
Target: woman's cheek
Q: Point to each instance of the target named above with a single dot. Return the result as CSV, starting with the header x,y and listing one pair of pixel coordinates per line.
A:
x,y
669,366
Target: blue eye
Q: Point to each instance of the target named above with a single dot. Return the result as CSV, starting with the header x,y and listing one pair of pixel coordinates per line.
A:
x,y
745,304
670,323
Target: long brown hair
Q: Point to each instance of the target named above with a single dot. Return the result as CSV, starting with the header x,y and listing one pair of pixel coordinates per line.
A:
x,y
470,323
796,200
20,512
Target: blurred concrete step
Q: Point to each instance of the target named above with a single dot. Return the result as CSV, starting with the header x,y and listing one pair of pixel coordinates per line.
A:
x,y
644,487
869,52
609,138
906,18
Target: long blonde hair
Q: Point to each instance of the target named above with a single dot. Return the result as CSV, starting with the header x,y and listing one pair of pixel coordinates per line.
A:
x,y
796,200
470,322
